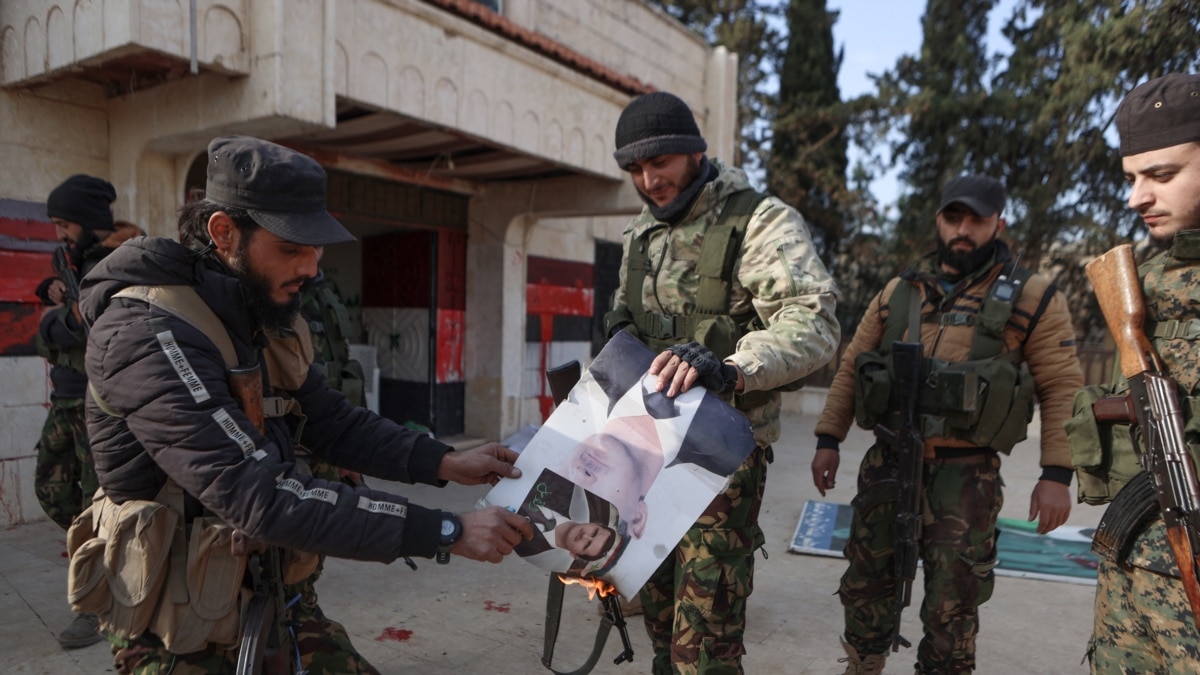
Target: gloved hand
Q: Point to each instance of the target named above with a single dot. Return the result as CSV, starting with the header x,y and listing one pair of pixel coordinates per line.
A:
x,y
711,373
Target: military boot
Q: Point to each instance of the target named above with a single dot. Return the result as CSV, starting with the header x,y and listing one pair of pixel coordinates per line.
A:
x,y
861,665
83,631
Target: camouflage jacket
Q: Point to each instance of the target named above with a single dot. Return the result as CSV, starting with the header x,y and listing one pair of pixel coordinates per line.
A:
x,y
1047,346
778,276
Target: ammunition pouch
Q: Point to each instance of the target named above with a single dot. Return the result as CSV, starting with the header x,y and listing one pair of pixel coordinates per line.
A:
x,y
1101,452
133,565
986,402
1125,518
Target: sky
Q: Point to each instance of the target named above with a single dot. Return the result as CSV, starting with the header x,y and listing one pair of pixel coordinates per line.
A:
x,y
874,34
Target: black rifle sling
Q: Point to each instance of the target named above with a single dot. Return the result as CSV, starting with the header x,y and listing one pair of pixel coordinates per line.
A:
x,y
554,599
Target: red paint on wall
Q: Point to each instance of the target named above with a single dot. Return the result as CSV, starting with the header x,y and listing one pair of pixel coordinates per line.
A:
x,y
27,229
450,330
18,328
561,300
23,271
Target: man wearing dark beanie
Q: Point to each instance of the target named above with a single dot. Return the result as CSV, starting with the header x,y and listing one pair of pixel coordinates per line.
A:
x,y
723,282
1144,622
65,477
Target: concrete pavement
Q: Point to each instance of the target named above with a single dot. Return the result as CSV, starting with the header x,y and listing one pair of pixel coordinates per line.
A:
x,y
467,618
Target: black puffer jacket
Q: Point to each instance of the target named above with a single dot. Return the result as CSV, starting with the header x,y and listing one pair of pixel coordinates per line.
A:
x,y
138,359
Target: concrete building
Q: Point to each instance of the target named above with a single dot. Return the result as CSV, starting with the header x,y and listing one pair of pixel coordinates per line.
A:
x,y
468,146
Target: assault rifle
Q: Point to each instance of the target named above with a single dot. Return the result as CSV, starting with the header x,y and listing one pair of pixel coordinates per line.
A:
x,y
266,643
66,273
908,448
1155,397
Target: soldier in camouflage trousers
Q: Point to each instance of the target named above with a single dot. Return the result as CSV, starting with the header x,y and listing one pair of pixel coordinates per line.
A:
x,y
1143,622
724,283
65,476
973,311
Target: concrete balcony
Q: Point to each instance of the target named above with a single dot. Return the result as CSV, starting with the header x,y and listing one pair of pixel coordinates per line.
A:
x,y
125,45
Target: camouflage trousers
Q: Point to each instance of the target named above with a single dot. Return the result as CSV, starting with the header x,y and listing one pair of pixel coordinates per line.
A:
x,y
65,477
1143,622
961,501
695,603
322,647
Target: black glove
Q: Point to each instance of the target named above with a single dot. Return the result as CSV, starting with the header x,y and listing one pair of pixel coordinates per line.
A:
x,y
712,374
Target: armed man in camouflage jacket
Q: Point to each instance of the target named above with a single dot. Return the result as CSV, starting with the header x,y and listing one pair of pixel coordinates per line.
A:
x,y
726,284
1143,622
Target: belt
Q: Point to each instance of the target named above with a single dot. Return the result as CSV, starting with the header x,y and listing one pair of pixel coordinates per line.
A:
x,y
959,455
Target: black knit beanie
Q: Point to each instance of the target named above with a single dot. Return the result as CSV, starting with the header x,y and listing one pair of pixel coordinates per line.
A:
x,y
656,124
83,200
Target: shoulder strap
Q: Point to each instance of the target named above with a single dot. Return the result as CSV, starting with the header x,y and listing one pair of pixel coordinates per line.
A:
x,y
185,303
903,306
718,253
995,310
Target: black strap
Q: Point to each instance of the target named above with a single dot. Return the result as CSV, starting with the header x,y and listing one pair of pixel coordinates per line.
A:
x,y
612,617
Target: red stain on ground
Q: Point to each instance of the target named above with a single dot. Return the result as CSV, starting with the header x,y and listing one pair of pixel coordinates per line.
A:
x,y
394,634
493,607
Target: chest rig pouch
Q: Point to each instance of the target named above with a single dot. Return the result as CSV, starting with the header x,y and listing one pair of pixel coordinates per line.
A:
x,y
986,400
710,323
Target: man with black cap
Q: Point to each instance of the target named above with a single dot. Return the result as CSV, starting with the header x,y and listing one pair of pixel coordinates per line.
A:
x,y
169,323
64,478
1143,621
725,285
993,335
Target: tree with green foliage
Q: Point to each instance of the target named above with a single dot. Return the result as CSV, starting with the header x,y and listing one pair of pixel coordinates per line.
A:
x,y
743,27
933,108
807,163
1055,102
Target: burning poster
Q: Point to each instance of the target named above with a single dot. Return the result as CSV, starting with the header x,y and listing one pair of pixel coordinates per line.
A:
x,y
619,472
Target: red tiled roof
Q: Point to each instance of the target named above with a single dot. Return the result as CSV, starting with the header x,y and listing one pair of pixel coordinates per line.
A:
x,y
481,15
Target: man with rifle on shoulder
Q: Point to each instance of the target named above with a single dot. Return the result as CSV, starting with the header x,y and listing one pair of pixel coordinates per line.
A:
x,y
944,367
1147,599
64,478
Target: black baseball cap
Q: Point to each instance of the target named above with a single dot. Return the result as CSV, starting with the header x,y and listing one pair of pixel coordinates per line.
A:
x,y
982,194
1159,114
282,190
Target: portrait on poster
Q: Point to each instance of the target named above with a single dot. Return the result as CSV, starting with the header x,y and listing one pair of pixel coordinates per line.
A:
x,y
615,477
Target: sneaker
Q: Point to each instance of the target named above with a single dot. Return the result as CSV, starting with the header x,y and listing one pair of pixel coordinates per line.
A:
x,y
83,631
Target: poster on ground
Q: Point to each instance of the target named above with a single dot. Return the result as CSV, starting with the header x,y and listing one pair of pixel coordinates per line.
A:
x,y
1062,555
619,472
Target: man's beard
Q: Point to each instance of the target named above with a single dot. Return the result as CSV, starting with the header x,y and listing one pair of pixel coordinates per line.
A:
x,y
968,262
270,314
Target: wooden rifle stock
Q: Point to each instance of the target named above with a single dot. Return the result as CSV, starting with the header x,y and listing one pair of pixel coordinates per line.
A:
x,y
1154,400
1119,292
246,385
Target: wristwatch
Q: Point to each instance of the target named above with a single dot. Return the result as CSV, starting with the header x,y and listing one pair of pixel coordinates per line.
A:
x,y
451,531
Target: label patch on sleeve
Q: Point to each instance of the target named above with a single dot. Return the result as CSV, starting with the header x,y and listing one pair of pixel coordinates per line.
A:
x,y
391,509
182,367
297,488
235,434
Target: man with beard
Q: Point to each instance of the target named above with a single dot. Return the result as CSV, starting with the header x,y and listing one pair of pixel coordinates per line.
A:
x,y
724,284
1143,621
64,479
166,319
993,334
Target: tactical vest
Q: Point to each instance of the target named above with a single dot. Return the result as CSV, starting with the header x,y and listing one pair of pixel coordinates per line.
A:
x,y
330,328
986,400
710,323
